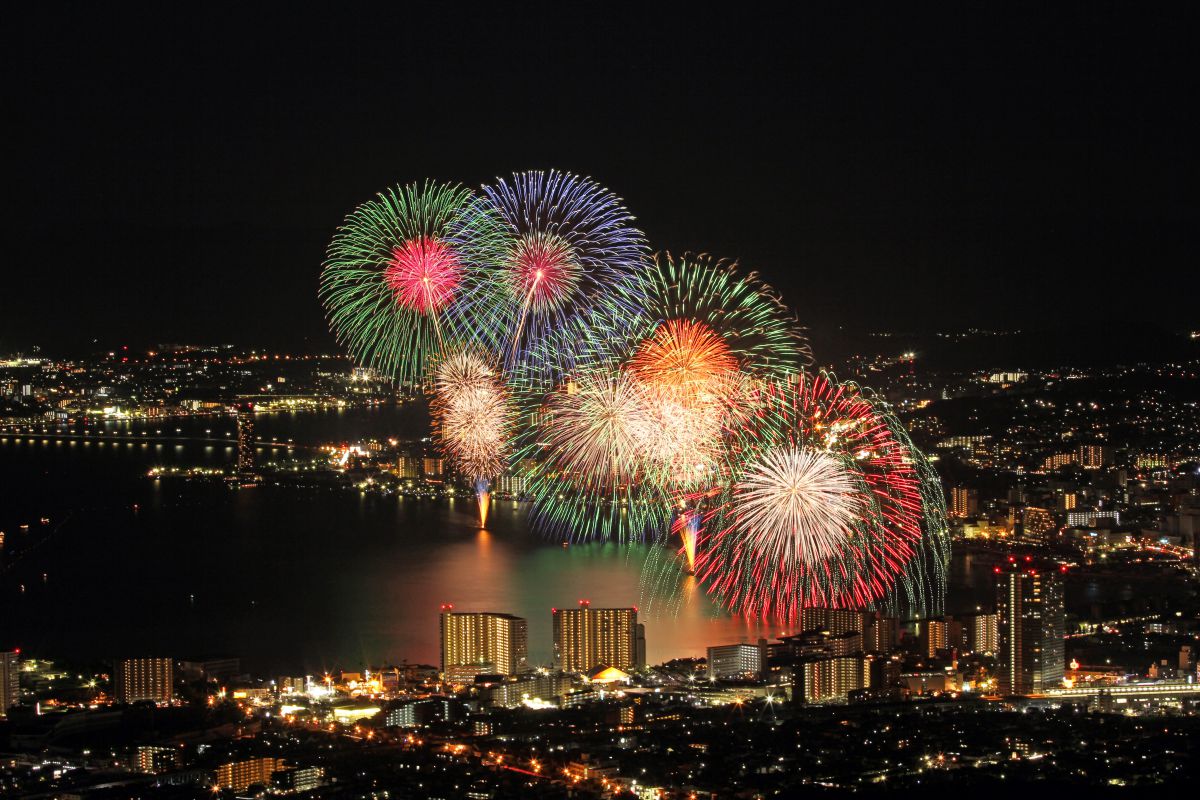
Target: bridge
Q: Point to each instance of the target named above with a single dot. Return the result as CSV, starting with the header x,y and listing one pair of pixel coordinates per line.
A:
x,y
145,436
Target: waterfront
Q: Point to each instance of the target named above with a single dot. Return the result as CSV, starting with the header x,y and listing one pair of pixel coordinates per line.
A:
x,y
353,579
317,577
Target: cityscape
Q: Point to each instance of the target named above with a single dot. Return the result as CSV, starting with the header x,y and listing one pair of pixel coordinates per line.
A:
x,y
498,485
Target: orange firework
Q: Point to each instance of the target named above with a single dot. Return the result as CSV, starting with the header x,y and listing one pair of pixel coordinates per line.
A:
x,y
686,358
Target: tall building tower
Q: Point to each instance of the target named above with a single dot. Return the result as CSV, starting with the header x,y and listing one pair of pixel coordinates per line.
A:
x,y
834,620
499,640
245,438
1029,610
964,502
10,681
137,679
586,637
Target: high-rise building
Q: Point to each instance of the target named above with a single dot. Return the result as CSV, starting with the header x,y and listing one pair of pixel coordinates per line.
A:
x,y
245,438
1093,456
829,679
499,641
154,759
741,660
880,635
932,636
408,467
136,679
639,646
834,620
10,680
586,637
239,775
1037,525
1029,608
964,502
981,632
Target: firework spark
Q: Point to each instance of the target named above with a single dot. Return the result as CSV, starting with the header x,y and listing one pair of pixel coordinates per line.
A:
x,y
572,245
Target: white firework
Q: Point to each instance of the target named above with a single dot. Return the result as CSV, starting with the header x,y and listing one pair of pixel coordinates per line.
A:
x,y
597,428
460,372
796,504
472,410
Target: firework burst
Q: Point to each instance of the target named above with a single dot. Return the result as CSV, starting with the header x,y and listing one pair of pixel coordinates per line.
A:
x,y
571,245
821,505
396,274
473,420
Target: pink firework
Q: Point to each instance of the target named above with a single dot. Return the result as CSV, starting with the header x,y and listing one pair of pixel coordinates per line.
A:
x,y
544,270
424,273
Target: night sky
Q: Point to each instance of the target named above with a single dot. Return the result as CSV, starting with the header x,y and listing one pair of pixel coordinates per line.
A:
x,y
176,178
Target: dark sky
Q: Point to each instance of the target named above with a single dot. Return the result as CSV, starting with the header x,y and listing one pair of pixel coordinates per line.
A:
x,y
176,177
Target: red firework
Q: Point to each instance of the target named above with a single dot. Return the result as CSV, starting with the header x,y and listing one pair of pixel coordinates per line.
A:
x,y
774,544
423,273
544,270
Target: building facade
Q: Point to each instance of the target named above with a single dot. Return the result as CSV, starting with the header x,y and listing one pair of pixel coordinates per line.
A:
x,y
1030,622
743,660
136,679
586,637
10,680
499,642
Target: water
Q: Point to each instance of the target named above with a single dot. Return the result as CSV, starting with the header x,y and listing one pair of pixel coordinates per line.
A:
x,y
290,579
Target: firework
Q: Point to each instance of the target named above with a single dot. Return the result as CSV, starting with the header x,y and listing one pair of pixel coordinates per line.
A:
x,y
473,420
570,245
690,357
821,505
395,278
588,472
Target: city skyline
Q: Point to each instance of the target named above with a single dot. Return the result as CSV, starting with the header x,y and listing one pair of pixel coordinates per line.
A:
x,y
599,404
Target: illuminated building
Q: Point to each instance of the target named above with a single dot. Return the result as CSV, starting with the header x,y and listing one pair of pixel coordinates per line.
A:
x,y
136,679
408,467
10,681
1058,460
432,468
982,633
1029,608
245,438
514,482
1091,518
153,759
964,502
499,641
1093,456
827,680
1038,525
586,637
933,636
531,688
880,635
238,775
834,620
294,780
741,660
